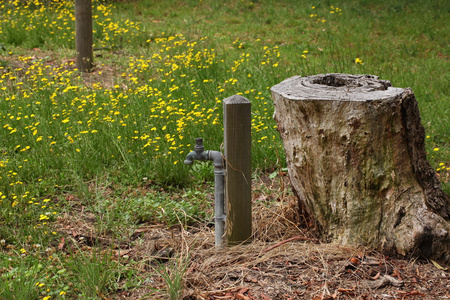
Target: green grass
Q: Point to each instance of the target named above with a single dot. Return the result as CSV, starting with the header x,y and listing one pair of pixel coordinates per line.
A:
x,y
113,142
172,275
95,273
20,282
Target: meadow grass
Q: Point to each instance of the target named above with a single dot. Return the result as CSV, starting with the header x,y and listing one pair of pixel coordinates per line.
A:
x,y
162,69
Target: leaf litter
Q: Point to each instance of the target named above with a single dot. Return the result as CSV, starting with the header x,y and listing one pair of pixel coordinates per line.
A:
x,y
284,259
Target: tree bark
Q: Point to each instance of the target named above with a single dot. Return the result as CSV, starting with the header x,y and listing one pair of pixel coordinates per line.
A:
x,y
356,157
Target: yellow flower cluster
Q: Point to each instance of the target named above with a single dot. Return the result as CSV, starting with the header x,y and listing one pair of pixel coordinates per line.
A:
x,y
25,21
333,10
50,117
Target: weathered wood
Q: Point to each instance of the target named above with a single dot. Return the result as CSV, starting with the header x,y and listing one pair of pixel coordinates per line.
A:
x,y
237,144
83,35
356,158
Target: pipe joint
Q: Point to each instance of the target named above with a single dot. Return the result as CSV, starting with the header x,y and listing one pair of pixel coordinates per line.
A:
x,y
217,158
195,155
221,218
199,153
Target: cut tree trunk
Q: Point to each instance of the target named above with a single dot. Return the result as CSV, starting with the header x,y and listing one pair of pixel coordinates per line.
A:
x,y
356,158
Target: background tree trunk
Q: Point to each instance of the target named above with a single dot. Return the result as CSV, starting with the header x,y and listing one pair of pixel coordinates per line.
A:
x,y
356,158
83,35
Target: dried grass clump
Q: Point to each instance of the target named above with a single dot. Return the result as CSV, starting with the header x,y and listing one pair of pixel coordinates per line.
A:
x,y
214,272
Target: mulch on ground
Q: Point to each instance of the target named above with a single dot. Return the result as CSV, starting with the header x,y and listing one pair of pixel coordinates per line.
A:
x,y
283,261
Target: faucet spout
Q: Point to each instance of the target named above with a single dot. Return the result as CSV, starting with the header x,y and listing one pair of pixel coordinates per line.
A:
x,y
189,158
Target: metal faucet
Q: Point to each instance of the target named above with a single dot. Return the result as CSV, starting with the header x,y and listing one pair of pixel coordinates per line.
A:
x,y
199,153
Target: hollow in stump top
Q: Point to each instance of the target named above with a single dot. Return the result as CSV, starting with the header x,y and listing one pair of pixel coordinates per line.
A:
x,y
336,86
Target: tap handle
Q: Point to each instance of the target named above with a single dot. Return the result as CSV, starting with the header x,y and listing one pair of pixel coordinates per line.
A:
x,y
199,145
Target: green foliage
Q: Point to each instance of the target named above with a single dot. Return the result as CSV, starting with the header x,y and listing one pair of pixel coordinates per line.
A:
x,y
192,207
172,275
20,282
202,171
95,274
119,216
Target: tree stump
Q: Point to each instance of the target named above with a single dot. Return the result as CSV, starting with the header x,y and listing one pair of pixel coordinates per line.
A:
x,y
356,157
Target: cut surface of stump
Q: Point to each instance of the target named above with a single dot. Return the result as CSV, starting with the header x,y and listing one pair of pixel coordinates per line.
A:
x,y
356,157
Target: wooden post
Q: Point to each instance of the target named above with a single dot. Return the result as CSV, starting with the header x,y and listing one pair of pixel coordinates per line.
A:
x,y
83,35
237,140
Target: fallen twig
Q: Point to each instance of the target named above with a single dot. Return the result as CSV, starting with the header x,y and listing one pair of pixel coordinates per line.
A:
x,y
384,280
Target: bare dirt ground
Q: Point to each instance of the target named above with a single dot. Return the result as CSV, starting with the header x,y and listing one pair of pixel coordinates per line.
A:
x,y
283,260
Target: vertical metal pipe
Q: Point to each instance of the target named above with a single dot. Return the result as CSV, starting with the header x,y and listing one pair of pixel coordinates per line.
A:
x,y
219,209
